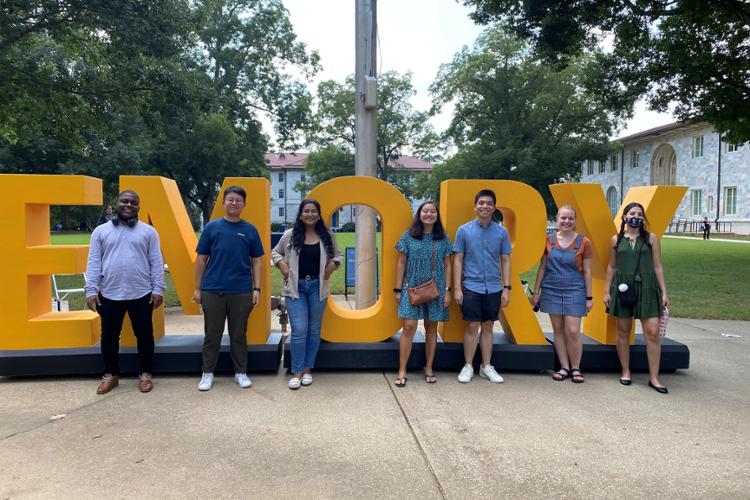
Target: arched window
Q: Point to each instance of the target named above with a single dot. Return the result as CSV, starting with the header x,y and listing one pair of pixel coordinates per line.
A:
x,y
664,166
612,199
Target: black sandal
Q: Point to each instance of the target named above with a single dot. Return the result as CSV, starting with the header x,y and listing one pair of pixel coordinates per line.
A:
x,y
576,379
430,379
559,376
400,382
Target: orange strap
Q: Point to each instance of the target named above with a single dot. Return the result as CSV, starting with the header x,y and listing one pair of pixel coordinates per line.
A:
x,y
579,247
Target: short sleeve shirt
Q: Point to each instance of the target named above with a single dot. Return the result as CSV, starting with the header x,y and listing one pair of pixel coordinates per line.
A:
x,y
229,246
481,247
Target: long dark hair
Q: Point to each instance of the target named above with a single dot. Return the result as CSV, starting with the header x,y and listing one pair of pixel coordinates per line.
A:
x,y
298,231
416,230
643,230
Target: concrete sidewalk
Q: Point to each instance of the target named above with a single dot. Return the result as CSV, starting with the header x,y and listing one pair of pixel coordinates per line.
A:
x,y
354,435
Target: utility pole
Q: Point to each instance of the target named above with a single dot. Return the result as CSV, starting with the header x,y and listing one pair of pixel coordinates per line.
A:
x,y
365,117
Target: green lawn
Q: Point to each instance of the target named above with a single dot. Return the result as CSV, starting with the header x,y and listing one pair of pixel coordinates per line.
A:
x,y
705,279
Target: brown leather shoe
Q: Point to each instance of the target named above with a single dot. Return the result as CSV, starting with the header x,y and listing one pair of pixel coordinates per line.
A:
x,y
108,383
144,382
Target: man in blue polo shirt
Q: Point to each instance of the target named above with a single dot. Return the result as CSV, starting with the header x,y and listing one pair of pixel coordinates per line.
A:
x,y
481,249
227,285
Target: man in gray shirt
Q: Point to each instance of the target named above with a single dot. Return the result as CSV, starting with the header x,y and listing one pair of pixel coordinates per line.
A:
x,y
125,273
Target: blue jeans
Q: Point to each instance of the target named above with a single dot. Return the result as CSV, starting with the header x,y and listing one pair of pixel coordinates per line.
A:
x,y
305,316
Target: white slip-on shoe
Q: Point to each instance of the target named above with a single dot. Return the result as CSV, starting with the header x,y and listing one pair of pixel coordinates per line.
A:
x,y
294,383
306,379
243,380
489,372
207,381
467,373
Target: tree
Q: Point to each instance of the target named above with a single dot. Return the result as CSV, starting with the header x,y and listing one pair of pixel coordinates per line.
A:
x,y
67,66
516,118
400,127
243,50
324,164
692,53
165,87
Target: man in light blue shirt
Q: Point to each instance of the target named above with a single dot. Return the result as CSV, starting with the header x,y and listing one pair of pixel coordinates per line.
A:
x,y
125,274
481,249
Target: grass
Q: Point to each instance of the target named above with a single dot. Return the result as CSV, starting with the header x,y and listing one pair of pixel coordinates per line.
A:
x,y
704,280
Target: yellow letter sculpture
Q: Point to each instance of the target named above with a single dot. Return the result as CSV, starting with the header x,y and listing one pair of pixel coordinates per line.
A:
x,y
525,219
29,323
379,321
25,304
594,220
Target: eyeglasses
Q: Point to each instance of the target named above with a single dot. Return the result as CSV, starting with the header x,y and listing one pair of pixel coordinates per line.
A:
x,y
234,201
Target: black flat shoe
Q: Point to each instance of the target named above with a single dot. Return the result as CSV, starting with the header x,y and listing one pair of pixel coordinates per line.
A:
x,y
626,381
660,390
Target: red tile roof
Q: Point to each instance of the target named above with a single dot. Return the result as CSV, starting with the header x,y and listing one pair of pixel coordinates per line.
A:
x,y
286,160
411,163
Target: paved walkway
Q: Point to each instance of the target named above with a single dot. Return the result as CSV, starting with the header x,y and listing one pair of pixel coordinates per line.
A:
x,y
354,435
725,240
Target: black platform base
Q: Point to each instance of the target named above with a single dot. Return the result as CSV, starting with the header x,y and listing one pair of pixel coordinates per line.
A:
x,y
449,356
174,354
602,357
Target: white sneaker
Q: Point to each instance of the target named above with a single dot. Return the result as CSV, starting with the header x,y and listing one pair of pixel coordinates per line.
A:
x,y
243,380
467,373
207,381
306,379
294,383
489,372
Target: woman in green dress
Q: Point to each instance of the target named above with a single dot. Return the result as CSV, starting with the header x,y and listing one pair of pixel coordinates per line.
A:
x,y
635,262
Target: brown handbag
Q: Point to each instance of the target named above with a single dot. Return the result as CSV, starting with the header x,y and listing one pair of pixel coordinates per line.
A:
x,y
427,291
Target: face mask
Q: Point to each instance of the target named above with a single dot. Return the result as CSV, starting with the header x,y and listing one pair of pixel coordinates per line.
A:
x,y
634,222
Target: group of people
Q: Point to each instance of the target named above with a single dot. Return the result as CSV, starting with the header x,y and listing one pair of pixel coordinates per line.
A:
x,y
125,274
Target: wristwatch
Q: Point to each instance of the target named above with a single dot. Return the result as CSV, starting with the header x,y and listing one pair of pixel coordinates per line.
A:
x,y
396,290
507,287
256,289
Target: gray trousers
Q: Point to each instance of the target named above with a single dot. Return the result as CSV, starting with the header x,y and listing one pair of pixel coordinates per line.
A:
x,y
234,308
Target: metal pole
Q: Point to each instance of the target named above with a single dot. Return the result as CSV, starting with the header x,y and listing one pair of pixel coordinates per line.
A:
x,y
622,174
365,116
718,185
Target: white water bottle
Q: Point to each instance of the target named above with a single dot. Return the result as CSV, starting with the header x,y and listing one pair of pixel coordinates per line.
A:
x,y
663,321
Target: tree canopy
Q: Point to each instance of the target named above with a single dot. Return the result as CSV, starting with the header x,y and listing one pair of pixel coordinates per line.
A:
x,y
401,128
168,87
516,117
689,53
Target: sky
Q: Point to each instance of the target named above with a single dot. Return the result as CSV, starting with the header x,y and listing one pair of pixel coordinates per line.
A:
x,y
414,35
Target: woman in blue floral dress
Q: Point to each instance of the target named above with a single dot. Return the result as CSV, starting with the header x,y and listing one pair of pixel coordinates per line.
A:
x,y
415,266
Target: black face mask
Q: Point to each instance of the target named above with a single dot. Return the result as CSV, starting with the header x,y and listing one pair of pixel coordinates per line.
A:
x,y
634,222
122,220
